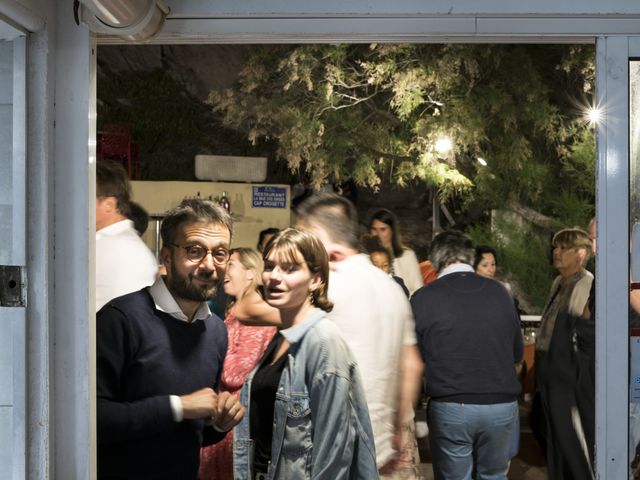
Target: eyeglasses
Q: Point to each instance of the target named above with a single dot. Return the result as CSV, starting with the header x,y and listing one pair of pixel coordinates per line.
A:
x,y
196,253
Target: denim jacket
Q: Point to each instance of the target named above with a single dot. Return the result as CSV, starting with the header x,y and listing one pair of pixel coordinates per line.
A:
x,y
321,426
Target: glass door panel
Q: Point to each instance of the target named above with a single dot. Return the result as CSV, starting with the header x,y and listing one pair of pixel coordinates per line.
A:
x,y
634,263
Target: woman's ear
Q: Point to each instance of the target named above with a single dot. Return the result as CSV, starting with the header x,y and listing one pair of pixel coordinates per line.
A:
x,y
316,282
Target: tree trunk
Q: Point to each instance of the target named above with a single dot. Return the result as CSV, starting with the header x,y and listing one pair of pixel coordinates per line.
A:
x,y
530,215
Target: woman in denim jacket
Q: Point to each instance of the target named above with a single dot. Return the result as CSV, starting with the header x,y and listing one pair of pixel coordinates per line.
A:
x,y
306,412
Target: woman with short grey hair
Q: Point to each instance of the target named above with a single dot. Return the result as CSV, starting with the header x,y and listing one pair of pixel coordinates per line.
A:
x,y
555,411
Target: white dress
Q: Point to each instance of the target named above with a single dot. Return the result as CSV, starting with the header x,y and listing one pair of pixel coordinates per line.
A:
x,y
406,267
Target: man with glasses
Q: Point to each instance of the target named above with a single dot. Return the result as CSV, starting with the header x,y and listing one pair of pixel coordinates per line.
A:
x,y
160,353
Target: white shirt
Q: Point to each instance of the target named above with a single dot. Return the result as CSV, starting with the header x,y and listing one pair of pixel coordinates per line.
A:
x,y
375,319
455,268
124,264
407,268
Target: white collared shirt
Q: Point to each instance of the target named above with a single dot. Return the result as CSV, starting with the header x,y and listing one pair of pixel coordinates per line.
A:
x,y
166,303
124,264
456,268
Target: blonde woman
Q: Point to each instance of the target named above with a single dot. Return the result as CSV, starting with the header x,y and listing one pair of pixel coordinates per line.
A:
x,y
247,344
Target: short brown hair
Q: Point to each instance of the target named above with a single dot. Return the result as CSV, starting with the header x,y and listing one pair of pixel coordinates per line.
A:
x,y
289,244
336,215
193,210
112,181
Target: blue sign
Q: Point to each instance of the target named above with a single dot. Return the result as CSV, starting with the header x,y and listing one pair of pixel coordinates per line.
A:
x,y
269,197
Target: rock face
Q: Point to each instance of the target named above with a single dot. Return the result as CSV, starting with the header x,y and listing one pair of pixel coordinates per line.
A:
x,y
202,68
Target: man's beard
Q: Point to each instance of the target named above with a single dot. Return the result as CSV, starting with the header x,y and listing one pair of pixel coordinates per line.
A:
x,y
181,286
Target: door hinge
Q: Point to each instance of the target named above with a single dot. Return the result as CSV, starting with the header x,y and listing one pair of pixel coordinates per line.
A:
x,y
13,290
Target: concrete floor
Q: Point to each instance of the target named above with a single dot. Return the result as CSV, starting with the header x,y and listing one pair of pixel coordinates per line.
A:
x,y
529,464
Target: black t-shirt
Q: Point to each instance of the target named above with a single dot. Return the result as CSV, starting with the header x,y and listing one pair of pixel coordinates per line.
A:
x,y
263,396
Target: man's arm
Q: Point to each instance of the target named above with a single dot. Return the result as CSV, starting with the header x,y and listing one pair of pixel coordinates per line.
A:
x,y
412,368
411,379
411,364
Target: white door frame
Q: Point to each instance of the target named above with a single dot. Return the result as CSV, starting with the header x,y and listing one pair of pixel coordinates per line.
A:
x,y
60,200
612,261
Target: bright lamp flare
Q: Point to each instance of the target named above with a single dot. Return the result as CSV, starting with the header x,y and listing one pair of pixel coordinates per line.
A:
x,y
593,115
444,145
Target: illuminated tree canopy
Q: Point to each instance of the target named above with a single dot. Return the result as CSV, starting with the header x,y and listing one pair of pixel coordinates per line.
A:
x,y
374,113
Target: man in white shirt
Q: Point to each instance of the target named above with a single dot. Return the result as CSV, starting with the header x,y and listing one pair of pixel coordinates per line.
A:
x,y
124,264
375,318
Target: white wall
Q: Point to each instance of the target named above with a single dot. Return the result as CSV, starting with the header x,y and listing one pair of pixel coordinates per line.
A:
x,y
6,150
158,197
12,252
59,243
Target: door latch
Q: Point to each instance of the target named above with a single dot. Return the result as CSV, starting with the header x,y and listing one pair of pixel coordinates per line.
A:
x,y
12,286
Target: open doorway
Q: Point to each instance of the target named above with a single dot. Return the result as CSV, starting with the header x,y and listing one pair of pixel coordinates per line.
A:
x,y
541,153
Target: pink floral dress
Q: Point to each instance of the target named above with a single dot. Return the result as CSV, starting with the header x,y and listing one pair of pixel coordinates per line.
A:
x,y
246,347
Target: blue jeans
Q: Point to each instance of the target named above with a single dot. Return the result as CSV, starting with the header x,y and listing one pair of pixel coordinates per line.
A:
x,y
458,432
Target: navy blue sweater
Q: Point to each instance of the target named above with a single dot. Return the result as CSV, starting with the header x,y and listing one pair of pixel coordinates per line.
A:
x,y
469,336
143,356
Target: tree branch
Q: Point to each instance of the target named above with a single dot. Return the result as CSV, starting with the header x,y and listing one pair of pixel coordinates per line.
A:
x,y
355,102
530,215
388,156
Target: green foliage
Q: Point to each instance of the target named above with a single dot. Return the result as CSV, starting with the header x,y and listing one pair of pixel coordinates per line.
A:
x,y
373,113
523,259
